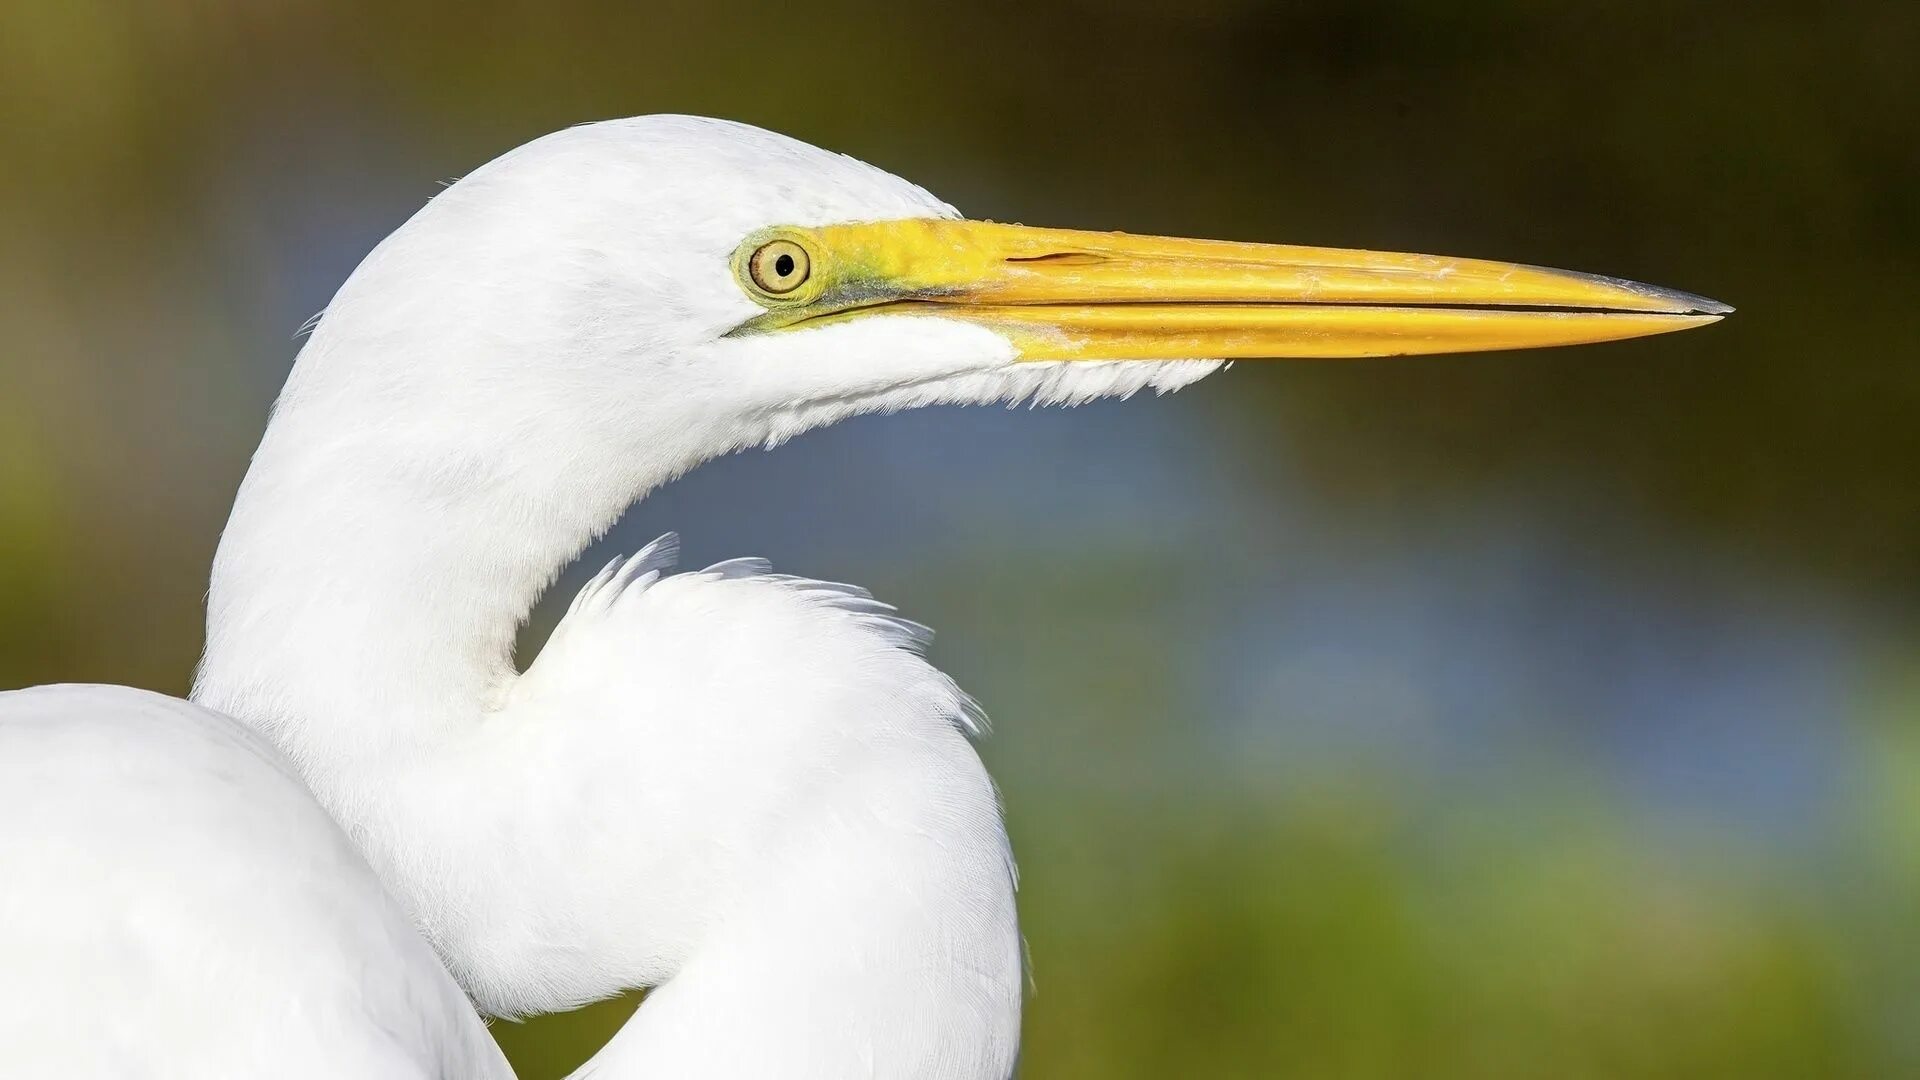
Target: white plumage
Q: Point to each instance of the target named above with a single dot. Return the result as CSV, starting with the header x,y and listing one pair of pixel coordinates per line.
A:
x,y
174,905
750,790
747,790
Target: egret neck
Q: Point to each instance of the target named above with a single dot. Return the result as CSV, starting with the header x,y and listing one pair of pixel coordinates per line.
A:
x,y
842,885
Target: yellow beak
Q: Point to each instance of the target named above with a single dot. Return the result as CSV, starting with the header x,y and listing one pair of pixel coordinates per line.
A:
x,y
1065,295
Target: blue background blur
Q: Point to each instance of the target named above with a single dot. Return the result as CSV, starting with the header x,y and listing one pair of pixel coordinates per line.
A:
x,y
1466,717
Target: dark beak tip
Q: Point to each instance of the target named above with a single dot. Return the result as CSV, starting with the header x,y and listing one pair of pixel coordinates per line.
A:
x,y
1684,303
1680,302
1704,306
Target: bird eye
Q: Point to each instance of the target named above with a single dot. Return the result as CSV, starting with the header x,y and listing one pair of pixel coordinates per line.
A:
x,y
779,266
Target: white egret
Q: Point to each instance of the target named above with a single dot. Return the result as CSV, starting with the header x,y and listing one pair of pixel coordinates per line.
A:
x,y
749,791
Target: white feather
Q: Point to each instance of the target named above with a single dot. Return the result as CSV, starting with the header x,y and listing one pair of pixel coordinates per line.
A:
x,y
748,790
177,905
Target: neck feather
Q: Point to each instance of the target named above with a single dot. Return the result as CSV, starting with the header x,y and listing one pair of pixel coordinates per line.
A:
x,y
363,609
876,938
363,605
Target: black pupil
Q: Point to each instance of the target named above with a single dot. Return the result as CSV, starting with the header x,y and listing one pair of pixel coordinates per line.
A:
x,y
783,266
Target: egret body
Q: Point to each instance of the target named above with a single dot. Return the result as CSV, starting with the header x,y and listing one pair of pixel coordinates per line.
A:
x,y
175,905
749,791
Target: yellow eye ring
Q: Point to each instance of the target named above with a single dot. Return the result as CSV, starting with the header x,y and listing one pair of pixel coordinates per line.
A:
x,y
779,266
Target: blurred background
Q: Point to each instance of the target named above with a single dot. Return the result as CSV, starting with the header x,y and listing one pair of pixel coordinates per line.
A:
x,y
1499,716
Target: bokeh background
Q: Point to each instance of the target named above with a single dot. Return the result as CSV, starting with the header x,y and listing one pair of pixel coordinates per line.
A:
x,y
1530,714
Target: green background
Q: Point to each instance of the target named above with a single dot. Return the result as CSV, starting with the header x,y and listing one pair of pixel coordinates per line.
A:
x,y
1530,714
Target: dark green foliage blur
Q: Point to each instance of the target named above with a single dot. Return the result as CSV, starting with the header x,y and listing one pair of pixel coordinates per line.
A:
x,y
1636,850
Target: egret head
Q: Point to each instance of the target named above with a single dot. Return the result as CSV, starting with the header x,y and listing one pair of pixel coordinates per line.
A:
x,y
700,285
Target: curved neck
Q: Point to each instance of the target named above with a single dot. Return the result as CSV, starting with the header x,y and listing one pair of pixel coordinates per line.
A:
x,y
862,944
362,613
368,588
